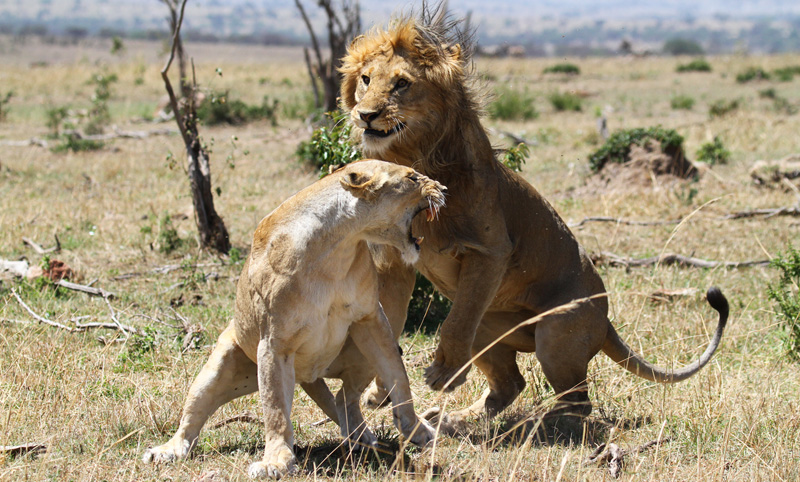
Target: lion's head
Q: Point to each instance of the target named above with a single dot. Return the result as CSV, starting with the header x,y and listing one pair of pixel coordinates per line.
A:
x,y
405,87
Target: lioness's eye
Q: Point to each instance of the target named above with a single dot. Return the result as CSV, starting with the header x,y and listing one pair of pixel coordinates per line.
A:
x,y
365,79
401,83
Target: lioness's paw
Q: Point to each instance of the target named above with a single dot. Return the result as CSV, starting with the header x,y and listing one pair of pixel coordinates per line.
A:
x,y
276,464
259,470
440,376
364,440
423,433
169,452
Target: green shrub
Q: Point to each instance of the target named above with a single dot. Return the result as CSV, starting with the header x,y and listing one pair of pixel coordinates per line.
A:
x,y
75,143
618,146
752,73
682,46
565,102
514,157
786,74
768,93
696,65
785,295
428,308
4,101
723,107
565,68
99,115
330,145
713,152
682,102
221,109
168,238
512,104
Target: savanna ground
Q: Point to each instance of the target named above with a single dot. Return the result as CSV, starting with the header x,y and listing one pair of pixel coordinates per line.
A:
x,y
98,405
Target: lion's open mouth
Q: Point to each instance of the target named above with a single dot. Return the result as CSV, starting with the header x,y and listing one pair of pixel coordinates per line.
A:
x,y
382,134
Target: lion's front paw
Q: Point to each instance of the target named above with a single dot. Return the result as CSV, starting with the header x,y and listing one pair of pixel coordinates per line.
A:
x,y
361,439
275,465
445,423
169,452
446,377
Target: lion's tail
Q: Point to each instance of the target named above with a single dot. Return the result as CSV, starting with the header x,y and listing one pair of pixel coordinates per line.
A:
x,y
621,353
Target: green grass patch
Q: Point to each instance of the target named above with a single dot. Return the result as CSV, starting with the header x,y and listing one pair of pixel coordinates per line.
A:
x,y
510,104
752,74
566,101
682,102
563,68
785,295
713,152
696,65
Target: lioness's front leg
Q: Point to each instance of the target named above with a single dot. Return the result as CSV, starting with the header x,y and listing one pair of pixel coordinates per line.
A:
x,y
374,339
227,374
276,390
478,282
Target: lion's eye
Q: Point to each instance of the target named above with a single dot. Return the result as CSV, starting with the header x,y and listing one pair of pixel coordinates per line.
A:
x,y
401,83
365,79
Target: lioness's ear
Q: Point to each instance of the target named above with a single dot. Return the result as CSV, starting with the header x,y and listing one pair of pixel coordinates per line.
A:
x,y
361,184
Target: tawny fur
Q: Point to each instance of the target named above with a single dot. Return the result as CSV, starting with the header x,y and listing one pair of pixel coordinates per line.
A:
x,y
500,251
308,288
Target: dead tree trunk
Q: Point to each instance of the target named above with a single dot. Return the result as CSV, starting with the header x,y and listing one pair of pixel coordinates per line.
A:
x,y
342,27
209,225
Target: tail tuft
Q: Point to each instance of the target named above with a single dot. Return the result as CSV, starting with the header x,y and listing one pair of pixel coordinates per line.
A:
x,y
718,301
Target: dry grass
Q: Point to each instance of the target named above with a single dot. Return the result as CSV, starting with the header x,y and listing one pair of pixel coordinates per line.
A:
x,y
98,406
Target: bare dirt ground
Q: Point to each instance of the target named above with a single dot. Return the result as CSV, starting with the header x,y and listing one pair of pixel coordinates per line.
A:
x,y
96,401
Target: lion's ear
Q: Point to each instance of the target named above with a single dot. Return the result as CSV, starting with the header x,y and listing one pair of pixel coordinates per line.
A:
x,y
360,184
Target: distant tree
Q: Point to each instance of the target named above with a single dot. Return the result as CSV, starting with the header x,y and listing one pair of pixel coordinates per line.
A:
x,y
342,26
682,46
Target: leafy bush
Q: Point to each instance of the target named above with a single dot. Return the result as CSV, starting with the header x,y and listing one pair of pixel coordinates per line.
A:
x,y
696,65
618,146
565,102
512,104
682,102
330,145
682,46
428,308
565,68
786,74
768,93
4,101
785,294
752,73
168,238
723,107
75,143
99,115
221,109
713,152
514,157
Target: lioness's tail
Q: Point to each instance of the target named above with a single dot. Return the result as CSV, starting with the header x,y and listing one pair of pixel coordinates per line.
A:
x,y
621,353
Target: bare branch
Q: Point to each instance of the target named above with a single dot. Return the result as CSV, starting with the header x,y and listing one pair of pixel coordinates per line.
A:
x,y
164,72
606,219
39,318
85,289
666,259
17,450
246,416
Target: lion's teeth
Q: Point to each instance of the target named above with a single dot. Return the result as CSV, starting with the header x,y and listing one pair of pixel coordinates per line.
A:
x,y
418,241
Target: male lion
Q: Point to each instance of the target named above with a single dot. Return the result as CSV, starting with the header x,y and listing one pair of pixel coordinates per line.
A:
x,y
309,284
500,251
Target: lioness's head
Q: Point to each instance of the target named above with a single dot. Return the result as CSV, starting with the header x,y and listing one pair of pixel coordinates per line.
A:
x,y
400,85
391,196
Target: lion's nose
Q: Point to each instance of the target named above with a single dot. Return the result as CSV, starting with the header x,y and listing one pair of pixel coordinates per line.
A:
x,y
369,116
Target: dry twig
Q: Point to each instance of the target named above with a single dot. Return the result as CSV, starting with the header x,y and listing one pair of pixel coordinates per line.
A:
x,y
607,219
611,259
39,249
85,289
612,455
17,450
246,416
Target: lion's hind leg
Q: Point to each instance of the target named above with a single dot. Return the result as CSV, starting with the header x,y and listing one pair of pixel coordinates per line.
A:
x,y
228,374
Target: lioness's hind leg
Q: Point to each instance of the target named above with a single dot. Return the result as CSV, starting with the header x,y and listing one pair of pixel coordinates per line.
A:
x,y
351,420
227,374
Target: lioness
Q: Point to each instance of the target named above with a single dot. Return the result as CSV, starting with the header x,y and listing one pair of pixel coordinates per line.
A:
x,y
309,283
500,251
